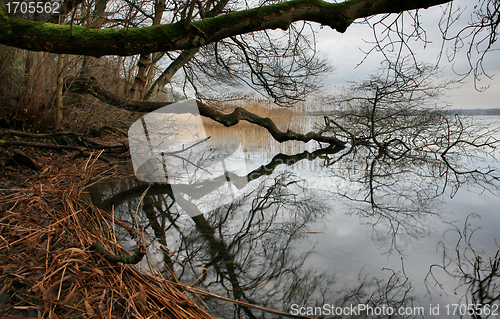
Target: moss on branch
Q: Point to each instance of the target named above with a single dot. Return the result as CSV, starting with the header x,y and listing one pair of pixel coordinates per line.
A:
x,y
135,258
65,39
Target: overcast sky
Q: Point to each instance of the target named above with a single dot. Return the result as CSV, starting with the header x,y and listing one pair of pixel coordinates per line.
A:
x,y
344,53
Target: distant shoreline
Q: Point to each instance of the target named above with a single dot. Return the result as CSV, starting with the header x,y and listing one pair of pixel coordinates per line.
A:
x,y
477,111
488,112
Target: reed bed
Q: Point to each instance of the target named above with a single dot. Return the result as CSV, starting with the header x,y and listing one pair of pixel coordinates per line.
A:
x,y
46,267
254,137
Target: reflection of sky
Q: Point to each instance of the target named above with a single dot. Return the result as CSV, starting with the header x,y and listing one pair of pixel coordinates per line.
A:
x,y
346,247
169,146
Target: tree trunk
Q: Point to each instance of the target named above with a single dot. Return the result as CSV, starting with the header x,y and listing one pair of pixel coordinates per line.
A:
x,y
59,93
140,78
96,21
119,78
144,64
169,72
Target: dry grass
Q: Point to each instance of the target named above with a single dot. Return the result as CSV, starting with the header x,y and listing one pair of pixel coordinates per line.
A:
x,y
46,268
27,92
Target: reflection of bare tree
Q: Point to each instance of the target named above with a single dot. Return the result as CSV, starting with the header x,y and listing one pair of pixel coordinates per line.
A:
x,y
245,250
398,111
152,205
405,151
199,189
394,292
394,197
477,272
248,244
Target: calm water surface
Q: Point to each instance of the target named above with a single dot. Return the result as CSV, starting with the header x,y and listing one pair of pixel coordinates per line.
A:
x,y
327,230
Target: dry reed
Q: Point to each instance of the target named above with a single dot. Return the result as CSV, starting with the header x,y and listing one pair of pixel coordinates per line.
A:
x,y
254,137
46,268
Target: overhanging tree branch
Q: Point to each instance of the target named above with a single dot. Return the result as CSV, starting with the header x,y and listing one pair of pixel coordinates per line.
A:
x,y
92,86
80,40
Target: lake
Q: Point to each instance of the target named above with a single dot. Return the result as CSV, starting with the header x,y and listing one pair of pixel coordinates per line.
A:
x,y
313,231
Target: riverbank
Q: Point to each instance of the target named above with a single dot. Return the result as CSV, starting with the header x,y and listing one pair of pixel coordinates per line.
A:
x,y
46,267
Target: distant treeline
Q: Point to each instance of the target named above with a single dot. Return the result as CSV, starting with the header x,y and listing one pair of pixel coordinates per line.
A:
x,y
453,111
477,112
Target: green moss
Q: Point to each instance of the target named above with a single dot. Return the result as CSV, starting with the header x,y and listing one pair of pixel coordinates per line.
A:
x,y
44,31
248,119
16,29
3,17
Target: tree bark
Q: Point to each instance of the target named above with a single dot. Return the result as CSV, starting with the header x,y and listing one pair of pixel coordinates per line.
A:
x,y
59,94
38,36
169,72
140,79
145,62
92,86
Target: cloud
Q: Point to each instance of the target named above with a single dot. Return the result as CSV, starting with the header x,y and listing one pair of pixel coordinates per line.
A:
x,y
345,53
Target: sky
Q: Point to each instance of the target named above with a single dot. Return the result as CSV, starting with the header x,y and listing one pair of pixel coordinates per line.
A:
x,y
344,53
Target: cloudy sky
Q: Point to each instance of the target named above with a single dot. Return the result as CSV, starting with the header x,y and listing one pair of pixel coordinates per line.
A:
x,y
344,52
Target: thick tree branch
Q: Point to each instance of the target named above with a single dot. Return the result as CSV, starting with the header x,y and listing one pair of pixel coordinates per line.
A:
x,y
79,40
93,87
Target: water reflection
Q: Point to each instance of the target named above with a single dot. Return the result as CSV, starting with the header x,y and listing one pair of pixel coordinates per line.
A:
x,y
246,250
476,271
170,145
250,249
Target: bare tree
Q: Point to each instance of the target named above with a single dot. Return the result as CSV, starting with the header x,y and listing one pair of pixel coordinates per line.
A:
x,y
244,250
398,111
391,107
190,33
477,38
281,65
396,36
